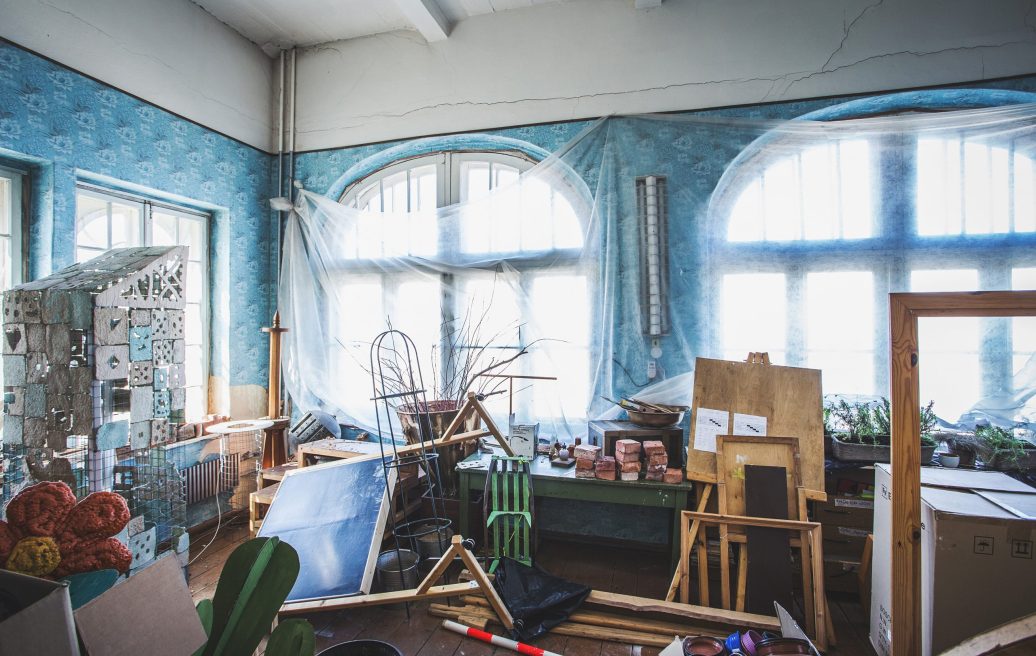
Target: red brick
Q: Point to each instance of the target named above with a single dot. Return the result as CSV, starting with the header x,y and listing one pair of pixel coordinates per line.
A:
x,y
627,446
656,469
630,476
585,473
653,447
627,457
630,466
588,451
606,475
584,463
653,477
673,475
605,464
662,459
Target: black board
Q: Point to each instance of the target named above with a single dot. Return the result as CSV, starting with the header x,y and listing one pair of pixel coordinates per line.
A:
x,y
769,555
334,516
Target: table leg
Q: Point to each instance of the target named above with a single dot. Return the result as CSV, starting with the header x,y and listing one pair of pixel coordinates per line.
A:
x,y
679,506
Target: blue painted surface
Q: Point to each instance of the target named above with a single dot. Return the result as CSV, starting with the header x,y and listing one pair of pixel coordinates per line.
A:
x,y
113,435
62,126
140,343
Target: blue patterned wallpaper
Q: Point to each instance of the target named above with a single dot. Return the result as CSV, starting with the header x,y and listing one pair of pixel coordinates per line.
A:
x,y
64,126
692,157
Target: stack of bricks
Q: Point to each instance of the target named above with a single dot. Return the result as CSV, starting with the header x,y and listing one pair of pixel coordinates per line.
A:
x,y
657,460
627,457
605,468
586,459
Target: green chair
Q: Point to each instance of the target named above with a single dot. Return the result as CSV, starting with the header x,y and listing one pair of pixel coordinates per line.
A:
x,y
508,507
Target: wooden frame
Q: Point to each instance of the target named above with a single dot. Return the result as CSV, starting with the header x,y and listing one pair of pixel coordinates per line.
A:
x,y
809,534
904,311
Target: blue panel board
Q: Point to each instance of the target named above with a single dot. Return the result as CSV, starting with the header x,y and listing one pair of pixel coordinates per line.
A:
x,y
113,435
334,516
140,343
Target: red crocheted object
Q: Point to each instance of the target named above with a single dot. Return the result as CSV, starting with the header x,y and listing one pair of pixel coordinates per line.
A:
x,y
90,555
83,532
40,509
100,515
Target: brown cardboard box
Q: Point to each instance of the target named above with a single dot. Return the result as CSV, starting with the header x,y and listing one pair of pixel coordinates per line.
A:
x,y
43,626
150,613
844,540
846,511
978,568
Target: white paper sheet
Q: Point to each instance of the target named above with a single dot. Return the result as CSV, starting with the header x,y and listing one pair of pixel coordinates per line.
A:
x,y
708,425
750,425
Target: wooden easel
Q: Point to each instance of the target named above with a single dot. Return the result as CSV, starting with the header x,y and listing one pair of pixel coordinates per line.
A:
x,y
737,386
425,591
473,405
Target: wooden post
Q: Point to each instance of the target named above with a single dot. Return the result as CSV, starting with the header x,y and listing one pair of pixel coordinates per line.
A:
x,y
273,395
275,440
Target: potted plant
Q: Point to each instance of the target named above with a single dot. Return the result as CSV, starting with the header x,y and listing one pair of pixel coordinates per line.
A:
x,y
863,431
1001,449
965,446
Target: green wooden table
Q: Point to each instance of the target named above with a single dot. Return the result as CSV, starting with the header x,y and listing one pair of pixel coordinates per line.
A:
x,y
561,483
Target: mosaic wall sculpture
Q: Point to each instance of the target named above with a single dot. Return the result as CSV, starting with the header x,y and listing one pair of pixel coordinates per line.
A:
x,y
95,353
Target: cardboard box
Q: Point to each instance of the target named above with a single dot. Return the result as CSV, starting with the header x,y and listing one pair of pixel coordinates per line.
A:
x,y
44,625
977,563
149,613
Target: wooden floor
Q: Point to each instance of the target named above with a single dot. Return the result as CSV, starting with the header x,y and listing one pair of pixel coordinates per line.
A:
x,y
611,569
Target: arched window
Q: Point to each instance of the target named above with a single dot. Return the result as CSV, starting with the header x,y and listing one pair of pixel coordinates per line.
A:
x,y
534,226
814,235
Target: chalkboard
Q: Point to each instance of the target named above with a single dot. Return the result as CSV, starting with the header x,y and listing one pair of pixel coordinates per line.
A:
x,y
334,516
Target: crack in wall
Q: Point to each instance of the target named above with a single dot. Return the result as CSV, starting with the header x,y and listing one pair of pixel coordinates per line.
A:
x,y
178,74
774,83
849,28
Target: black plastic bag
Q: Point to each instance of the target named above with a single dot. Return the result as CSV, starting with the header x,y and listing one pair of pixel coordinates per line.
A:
x,y
537,601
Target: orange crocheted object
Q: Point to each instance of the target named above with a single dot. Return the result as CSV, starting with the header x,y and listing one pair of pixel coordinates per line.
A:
x,y
47,532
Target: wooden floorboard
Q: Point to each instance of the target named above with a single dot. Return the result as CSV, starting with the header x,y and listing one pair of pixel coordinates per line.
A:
x,y
601,567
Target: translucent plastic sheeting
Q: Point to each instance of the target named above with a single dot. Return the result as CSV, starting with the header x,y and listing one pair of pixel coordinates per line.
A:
x,y
783,236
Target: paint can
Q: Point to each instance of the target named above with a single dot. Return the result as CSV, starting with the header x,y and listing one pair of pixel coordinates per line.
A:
x,y
397,570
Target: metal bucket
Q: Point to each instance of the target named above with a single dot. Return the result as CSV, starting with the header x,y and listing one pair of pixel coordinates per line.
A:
x,y
397,573
435,542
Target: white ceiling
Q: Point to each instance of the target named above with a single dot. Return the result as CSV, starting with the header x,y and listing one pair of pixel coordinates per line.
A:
x,y
276,24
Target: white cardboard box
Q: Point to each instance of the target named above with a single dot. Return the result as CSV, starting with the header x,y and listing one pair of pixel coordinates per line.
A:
x,y
977,561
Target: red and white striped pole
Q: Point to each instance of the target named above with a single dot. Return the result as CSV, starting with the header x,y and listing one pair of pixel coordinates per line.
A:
x,y
499,641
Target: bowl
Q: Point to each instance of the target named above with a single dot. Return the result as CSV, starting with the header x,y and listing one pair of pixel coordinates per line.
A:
x,y
657,419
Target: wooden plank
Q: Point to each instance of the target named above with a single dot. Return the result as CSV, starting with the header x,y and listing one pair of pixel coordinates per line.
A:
x,y
804,557
789,398
734,452
742,577
359,601
765,522
683,611
1015,632
769,567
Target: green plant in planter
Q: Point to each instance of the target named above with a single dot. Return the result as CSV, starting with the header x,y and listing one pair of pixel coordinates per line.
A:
x,y
871,423
999,446
252,587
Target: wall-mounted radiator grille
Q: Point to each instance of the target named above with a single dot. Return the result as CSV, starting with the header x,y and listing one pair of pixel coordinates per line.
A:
x,y
653,216
206,479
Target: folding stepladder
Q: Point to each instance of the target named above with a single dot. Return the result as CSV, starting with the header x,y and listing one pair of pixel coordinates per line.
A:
x,y
508,507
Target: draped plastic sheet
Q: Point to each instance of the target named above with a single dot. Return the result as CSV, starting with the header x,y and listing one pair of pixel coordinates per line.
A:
x,y
555,251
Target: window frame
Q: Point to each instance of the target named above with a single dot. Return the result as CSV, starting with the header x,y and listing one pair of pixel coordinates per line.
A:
x,y
147,208
895,248
18,231
449,166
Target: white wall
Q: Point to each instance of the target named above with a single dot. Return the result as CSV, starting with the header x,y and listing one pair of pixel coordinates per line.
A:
x,y
588,58
169,52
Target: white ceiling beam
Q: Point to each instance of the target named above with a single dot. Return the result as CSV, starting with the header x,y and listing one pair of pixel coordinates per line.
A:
x,y
427,17
647,4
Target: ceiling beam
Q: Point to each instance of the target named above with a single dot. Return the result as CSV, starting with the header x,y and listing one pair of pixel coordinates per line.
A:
x,y
647,4
427,17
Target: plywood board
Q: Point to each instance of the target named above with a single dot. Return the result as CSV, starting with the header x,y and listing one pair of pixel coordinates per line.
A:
x,y
790,399
735,452
769,567
334,516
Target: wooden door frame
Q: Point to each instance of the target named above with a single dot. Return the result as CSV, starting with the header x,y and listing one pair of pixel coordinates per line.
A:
x,y
904,311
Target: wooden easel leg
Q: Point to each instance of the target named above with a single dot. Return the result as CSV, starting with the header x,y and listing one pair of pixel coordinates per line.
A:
x,y
680,575
813,537
487,589
805,558
742,576
724,568
440,567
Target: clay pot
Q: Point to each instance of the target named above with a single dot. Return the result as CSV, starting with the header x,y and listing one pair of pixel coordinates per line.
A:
x,y
782,647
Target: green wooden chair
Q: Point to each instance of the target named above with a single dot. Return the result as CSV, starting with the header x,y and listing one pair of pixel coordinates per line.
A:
x,y
508,507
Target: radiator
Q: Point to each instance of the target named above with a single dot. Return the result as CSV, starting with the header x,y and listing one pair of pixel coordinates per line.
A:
x,y
206,479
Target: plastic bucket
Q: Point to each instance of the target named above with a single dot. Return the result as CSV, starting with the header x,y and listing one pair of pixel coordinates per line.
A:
x,y
397,572
361,648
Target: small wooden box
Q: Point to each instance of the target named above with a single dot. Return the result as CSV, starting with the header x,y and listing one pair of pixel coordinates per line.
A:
x,y
606,433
